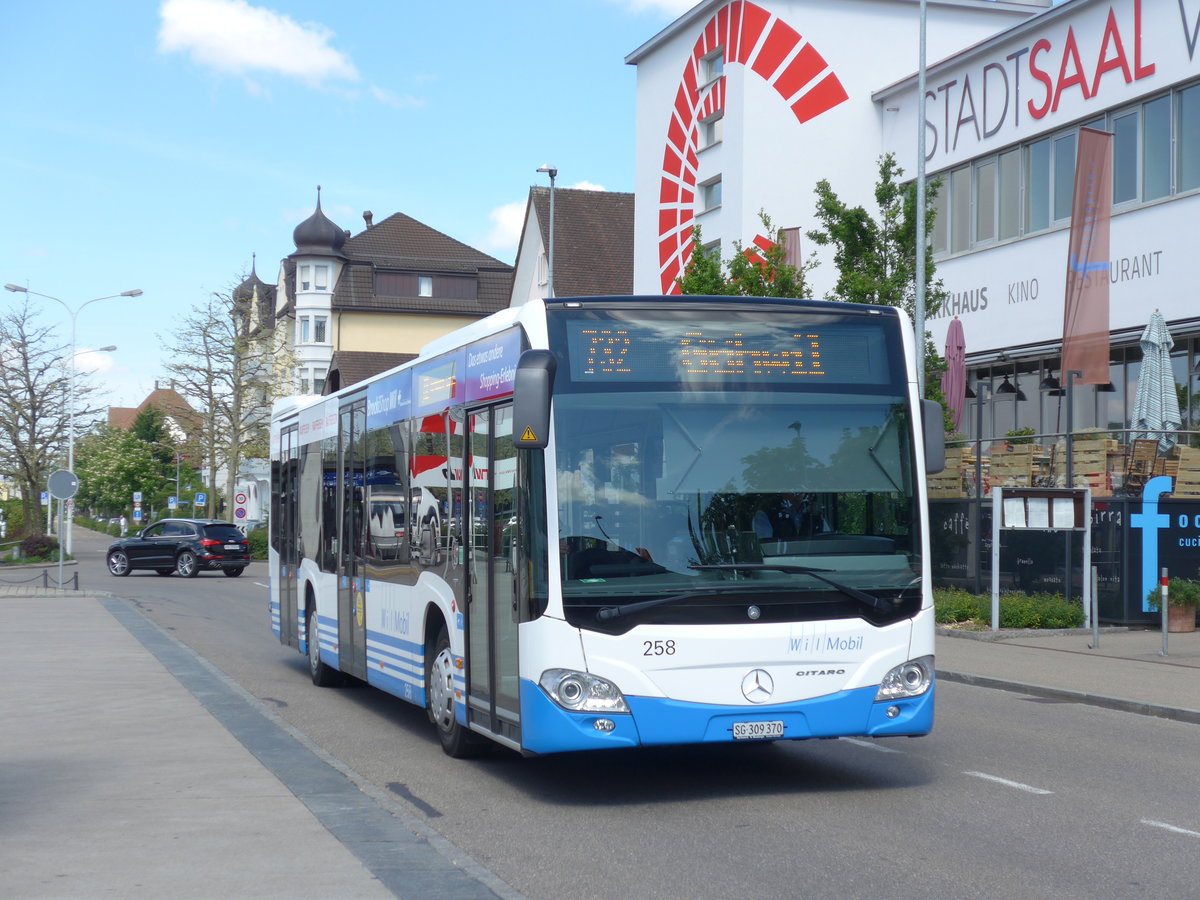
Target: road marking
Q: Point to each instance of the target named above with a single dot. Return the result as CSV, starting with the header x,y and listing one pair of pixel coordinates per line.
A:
x,y
870,745
260,584
1173,828
1013,784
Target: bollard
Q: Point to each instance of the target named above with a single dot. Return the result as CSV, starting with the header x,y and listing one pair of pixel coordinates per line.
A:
x,y
1163,607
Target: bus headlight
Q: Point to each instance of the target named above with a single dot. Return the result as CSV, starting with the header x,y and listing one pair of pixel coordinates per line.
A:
x,y
911,679
581,692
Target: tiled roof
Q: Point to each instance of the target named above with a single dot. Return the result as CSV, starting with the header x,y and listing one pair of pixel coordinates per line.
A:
x,y
352,366
402,244
168,401
593,240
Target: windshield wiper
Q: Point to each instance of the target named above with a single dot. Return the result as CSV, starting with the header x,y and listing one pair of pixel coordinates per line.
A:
x,y
861,596
614,612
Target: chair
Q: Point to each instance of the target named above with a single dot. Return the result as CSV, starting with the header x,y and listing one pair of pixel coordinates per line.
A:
x,y
1139,465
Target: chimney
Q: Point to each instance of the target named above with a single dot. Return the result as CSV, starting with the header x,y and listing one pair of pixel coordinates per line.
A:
x,y
368,216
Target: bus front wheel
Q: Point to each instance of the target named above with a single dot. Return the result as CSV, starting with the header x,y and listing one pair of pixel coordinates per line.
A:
x,y
322,675
456,740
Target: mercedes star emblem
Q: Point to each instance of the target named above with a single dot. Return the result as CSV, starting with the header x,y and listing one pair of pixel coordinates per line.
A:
x,y
757,686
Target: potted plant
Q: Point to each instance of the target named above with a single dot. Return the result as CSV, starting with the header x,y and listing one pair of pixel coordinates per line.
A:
x,y
1183,596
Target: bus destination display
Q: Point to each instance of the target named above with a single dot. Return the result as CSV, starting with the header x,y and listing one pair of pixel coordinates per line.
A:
x,y
660,351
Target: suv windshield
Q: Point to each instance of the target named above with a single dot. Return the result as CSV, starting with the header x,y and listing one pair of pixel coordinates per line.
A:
x,y
781,495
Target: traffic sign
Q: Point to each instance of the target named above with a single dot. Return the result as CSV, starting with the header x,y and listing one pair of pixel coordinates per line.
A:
x,y
201,498
137,496
172,502
63,484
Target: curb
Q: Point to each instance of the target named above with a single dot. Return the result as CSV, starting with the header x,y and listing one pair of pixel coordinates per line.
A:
x,y
1189,716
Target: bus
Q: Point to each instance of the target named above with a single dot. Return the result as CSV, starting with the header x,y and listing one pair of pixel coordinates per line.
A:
x,y
622,522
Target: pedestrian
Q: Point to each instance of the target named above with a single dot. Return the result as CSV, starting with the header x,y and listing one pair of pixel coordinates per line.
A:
x,y
124,525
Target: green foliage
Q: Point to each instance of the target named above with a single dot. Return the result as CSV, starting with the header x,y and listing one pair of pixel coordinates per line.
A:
x,y
1180,592
766,273
1021,435
258,543
39,547
876,257
955,606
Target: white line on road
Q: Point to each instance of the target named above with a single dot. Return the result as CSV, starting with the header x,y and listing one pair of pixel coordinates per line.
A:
x,y
1173,828
1013,784
870,745
260,584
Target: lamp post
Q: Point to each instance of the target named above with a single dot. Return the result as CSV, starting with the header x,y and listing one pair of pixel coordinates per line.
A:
x,y
553,173
74,314
981,387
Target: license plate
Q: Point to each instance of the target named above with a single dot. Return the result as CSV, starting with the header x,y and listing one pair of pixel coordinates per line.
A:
x,y
233,546
757,731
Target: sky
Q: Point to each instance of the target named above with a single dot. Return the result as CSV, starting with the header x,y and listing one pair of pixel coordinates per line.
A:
x,y
159,145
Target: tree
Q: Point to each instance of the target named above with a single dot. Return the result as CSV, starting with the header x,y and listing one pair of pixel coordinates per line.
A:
x,y
876,258
763,271
223,357
35,405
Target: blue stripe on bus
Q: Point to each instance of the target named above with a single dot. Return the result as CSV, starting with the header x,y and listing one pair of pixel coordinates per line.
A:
x,y
547,728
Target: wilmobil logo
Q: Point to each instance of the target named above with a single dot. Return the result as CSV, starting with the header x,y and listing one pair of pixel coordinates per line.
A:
x,y
825,643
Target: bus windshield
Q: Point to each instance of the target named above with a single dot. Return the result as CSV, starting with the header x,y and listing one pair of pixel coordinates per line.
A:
x,y
715,494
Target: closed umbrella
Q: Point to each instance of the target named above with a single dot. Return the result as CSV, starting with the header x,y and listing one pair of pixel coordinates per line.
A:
x,y
1155,410
954,379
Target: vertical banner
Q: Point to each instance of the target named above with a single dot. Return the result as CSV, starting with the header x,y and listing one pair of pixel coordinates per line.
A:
x,y
1085,311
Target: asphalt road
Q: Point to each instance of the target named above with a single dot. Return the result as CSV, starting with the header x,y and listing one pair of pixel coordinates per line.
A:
x,y
1010,796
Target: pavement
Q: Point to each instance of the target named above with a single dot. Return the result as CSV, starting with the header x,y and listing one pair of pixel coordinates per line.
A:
x,y
131,767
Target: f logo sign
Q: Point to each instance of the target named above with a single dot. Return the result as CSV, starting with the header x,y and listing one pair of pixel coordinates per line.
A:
x,y
1150,520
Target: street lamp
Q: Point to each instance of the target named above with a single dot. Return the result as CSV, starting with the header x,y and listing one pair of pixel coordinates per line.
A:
x,y
553,173
74,313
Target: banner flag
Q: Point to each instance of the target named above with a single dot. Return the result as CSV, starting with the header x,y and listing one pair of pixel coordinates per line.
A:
x,y
1085,311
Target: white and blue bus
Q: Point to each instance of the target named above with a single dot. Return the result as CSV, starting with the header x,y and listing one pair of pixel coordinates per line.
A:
x,y
619,522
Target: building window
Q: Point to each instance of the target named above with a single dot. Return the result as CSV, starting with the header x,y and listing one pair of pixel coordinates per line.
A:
x,y
305,277
712,130
1156,148
303,337
941,217
1037,186
712,66
424,286
1064,175
321,278
305,384
710,194
1187,123
319,381
319,329
1010,194
960,209
985,200
1125,157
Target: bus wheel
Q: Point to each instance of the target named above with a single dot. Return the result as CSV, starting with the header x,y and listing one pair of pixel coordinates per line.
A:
x,y
456,740
322,675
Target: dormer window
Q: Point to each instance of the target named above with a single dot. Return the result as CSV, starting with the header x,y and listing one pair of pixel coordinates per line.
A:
x,y
321,278
424,286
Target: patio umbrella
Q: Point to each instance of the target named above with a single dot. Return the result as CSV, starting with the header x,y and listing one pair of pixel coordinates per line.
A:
x,y
1156,404
954,379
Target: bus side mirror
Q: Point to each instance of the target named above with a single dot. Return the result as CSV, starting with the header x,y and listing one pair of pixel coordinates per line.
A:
x,y
935,436
532,390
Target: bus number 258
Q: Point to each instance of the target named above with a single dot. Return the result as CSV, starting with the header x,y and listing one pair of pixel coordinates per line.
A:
x,y
658,648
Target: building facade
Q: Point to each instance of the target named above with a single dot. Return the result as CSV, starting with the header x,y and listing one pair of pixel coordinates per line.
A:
x,y
743,106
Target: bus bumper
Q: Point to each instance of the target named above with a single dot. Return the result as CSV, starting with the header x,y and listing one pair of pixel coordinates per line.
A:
x,y
654,721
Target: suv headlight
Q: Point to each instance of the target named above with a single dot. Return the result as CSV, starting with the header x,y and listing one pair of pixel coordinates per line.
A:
x,y
911,679
581,692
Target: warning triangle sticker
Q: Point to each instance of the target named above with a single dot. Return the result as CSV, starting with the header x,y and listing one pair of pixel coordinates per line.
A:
x,y
528,435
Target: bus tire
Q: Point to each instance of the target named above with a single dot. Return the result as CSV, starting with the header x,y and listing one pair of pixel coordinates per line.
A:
x,y
322,675
457,740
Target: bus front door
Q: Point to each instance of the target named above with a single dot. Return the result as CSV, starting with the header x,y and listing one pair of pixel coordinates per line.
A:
x,y
490,542
352,584
287,529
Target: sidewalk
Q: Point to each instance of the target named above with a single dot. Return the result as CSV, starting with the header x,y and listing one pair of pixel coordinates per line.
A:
x,y
131,768
1126,671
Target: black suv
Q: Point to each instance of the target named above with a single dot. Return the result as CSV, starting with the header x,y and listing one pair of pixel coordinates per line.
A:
x,y
183,547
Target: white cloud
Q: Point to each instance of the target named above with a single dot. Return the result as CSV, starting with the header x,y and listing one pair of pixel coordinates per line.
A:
x,y
233,36
507,222
396,101
588,186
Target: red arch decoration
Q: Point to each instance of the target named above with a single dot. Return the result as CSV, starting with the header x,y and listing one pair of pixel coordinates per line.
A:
x,y
767,45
